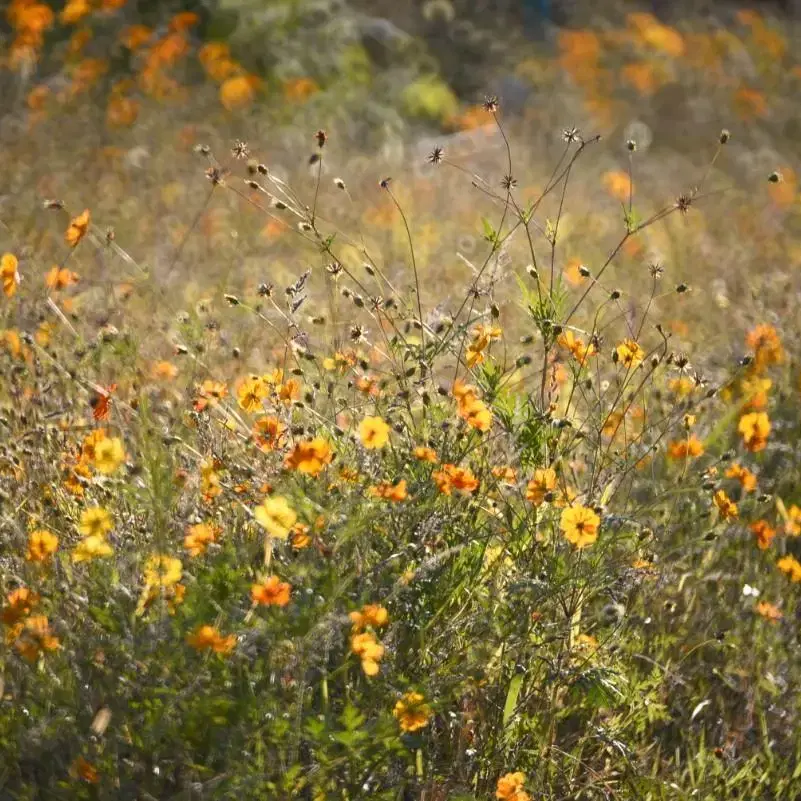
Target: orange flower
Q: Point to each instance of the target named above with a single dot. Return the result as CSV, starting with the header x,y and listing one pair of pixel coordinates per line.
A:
x,y
791,566
208,638
36,638
424,454
374,433
77,228
42,544
373,615
476,414
60,278
754,429
543,482
268,432
74,11
19,604
727,508
618,184
251,393
310,456
163,371
452,478
9,274
271,592
579,524
369,650
748,481
764,341
691,448
412,712
750,103
764,534
239,91
511,787
135,36
210,394
769,611
389,491
199,537
505,473
122,111
576,346
298,90
85,771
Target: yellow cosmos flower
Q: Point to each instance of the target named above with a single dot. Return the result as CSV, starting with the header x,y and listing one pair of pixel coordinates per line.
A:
x,y
276,516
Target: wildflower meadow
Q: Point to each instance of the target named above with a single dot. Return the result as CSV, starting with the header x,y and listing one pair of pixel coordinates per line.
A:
x,y
371,430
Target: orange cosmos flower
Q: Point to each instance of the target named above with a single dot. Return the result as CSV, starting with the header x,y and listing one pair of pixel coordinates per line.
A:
x,y
769,611
77,228
199,537
19,604
754,428
412,712
389,491
36,638
424,454
373,615
239,91
543,482
271,592
310,456
452,478
691,448
576,346
748,481
764,341
764,533
511,787
476,414
42,544
369,651
60,278
579,524
208,638
9,274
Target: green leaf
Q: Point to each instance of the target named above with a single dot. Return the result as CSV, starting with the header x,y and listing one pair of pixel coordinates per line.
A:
x,y
512,694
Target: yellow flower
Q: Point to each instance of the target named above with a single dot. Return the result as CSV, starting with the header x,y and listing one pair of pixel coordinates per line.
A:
x,y
95,522
764,341
251,393
580,526
162,571
109,455
41,545
727,508
91,547
476,414
791,566
452,478
629,354
754,428
412,712
374,433
277,516
388,491
77,228
36,638
9,274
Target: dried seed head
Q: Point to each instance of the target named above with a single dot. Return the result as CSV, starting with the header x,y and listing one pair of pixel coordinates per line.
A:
x,y
436,155
384,183
339,183
240,149
491,104
682,288
322,137
615,294
724,136
584,272
775,177
631,145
